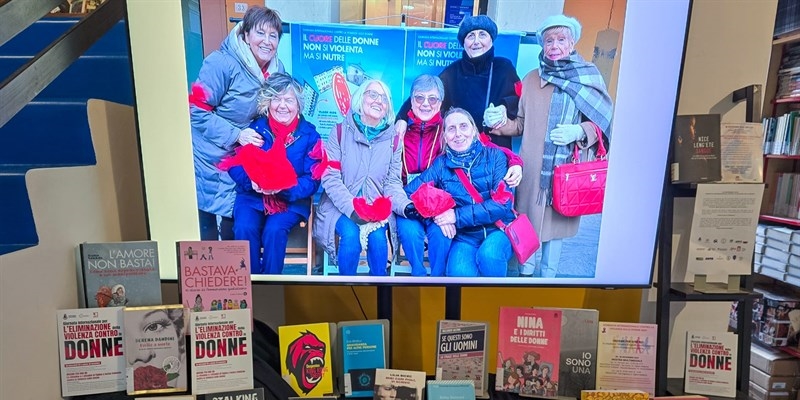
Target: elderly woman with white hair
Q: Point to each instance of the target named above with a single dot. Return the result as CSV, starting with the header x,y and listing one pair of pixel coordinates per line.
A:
x,y
365,155
563,104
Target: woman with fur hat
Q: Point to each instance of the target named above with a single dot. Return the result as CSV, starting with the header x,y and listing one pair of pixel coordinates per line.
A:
x,y
563,104
477,80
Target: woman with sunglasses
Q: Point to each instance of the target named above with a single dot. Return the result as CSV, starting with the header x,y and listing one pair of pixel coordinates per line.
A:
x,y
366,151
422,143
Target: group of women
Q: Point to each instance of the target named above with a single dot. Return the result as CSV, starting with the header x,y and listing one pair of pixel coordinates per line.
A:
x,y
243,98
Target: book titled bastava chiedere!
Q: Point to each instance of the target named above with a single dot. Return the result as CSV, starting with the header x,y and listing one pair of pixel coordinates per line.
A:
x,y
155,349
529,351
117,274
91,351
215,275
222,357
305,352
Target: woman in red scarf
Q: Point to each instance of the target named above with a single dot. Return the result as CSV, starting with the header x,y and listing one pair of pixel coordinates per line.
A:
x,y
273,194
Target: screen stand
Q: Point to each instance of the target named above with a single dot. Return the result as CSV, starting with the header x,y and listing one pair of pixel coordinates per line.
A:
x,y
452,302
385,312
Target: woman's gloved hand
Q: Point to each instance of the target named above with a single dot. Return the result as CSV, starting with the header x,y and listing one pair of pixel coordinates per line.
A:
x,y
495,117
411,212
565,134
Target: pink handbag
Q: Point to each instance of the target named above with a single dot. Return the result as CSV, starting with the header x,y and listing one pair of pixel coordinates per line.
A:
x,y
579,187
520,231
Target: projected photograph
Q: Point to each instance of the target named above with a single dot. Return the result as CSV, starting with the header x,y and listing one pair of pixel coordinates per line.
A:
x,y
348,153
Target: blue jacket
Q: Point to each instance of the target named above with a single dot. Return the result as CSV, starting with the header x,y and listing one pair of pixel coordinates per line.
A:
x,y
299,196
473,221
227,85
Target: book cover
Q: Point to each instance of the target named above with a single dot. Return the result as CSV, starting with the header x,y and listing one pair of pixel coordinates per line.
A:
x,y
711,363
248,394
91,351
215,275
363,349
155,349
528,351
306,358
696,150
396,384
117,274
222,350
451,390
614,394
577,368
461,353
626,356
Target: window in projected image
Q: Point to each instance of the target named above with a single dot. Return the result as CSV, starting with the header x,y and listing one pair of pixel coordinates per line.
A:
x,y
347,84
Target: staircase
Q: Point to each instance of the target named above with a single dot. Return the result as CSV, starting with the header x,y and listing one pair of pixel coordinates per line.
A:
x,y
49,70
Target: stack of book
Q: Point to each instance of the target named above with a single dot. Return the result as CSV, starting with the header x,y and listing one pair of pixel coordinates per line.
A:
x,y
773,374
789,73
777,253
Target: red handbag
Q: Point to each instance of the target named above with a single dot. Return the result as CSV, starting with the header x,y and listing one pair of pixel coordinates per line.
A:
x,y
520,231
579,187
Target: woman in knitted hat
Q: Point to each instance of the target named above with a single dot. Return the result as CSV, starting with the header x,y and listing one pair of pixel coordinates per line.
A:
x,y
563,104
477,80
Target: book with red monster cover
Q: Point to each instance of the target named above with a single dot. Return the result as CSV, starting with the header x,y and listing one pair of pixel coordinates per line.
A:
x,y
155,349
306,358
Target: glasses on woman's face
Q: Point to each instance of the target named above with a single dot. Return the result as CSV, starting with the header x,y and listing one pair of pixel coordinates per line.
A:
x,y
375,96
432,100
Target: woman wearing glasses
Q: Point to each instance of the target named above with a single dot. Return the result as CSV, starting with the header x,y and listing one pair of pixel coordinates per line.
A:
x,y
422,143
367,149
265,217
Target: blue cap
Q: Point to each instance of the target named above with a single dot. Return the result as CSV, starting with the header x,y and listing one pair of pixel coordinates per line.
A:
x,y
470,23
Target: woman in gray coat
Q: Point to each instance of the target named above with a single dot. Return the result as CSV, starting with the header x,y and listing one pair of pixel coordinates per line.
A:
x,y
223,102
369,151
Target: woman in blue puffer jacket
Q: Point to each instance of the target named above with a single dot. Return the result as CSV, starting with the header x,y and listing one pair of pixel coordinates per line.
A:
x,y
479,247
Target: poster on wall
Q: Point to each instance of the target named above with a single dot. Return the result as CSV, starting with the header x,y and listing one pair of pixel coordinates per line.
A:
x,y
332,61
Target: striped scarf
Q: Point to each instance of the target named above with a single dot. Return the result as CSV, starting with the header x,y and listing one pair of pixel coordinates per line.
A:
x,y
579,90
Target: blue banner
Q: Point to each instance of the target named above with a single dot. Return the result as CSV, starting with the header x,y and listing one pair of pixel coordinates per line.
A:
x,y
332,60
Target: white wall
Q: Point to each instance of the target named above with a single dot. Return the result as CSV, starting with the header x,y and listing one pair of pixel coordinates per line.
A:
x,y
728,48
307,10
522,15
70,205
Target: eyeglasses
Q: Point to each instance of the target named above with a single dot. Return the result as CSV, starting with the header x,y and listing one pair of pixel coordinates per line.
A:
x,y
374,96
432,100
289,101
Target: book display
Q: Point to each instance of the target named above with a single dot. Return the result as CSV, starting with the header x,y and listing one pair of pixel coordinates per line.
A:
x,y
118,274
364,347
306,358
711,363
91,350
222,351
461,353
155,348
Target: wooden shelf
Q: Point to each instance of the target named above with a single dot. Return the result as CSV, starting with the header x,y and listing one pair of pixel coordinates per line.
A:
x,y
787,100
675,388
680,291
780,220
787,38
782,156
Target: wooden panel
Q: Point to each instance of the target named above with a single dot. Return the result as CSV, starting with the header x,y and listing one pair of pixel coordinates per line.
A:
x,y
236,9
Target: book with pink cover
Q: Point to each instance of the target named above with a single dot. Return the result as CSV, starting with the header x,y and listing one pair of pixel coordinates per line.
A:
x,y
529,347
215,275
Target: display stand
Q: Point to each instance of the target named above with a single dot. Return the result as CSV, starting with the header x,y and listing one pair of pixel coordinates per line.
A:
x,y
668,291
